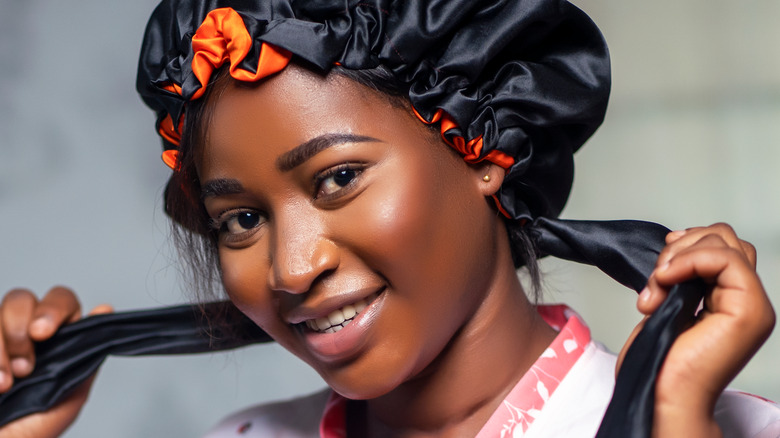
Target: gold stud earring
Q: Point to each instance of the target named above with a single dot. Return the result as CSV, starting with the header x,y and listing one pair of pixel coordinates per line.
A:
x,y
486,178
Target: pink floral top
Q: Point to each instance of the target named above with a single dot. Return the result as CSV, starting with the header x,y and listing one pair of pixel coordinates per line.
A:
x,y
527,398
564,393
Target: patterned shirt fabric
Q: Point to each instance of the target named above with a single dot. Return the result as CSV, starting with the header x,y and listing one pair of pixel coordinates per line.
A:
x,y
564,393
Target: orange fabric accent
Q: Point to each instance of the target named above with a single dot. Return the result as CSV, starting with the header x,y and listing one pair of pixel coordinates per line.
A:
x,y
173,88
499,158
471,149
500,208
171,158
223,37
436,116
168,132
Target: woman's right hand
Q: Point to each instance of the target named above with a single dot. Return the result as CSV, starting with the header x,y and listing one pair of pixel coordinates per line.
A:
x,y
24,320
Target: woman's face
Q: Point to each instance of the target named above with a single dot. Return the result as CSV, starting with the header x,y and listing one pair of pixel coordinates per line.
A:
x,y
347,229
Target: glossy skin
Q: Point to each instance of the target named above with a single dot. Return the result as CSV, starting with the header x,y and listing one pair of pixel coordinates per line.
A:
x,y
413,224
393,211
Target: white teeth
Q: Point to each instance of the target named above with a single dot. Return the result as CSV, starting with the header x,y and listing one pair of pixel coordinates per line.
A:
x,y
322,323
336,317
339,318
349,311
360,305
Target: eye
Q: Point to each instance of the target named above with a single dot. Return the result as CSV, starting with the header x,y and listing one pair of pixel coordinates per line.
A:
x,y
336,179
237,223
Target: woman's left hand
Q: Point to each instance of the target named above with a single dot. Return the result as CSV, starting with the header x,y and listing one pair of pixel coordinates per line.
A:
x,y
736,319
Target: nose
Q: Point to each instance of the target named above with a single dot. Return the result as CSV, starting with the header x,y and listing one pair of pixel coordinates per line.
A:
x,y
300,254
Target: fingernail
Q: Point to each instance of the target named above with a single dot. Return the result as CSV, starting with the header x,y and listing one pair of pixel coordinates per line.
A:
x,y
41,325
644,296
3,379
663,267
21,366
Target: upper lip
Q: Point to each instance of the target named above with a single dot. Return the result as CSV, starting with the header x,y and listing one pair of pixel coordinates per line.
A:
x,y
314,308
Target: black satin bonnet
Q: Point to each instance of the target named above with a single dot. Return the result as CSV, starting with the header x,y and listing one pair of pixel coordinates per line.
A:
x,y
520,83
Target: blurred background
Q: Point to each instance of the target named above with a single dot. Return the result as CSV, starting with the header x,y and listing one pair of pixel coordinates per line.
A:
x,y
691,138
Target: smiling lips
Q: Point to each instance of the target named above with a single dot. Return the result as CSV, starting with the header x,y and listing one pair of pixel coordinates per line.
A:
x,y
339,318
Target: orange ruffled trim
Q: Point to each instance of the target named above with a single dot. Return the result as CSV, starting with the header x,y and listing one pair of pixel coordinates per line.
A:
x,y
171,158
469,149
168,132
171,135
221,37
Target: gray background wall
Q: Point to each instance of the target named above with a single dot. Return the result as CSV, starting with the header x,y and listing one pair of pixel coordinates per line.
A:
x,y
691,138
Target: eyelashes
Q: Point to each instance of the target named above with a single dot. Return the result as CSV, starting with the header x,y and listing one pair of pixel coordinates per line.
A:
x,y
337,181
333,184
237,225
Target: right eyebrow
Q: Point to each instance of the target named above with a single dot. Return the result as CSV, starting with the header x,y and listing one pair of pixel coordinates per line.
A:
x,y
220,187
304,151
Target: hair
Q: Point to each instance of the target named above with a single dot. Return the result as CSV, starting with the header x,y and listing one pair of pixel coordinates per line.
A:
x,y
196,241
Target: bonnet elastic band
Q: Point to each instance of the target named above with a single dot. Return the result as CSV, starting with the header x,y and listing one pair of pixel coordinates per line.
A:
x,y
622,248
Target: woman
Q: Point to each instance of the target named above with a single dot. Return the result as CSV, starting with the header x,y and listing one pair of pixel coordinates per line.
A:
x,y
326,196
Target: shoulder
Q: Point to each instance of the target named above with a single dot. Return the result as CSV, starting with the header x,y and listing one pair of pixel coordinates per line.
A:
x,y
295,418
745,415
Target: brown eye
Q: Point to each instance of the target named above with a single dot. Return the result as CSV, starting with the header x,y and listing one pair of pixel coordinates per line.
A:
x,y
240,222
336,180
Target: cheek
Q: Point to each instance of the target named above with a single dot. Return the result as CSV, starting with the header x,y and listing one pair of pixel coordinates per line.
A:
x,y
422,227
244,276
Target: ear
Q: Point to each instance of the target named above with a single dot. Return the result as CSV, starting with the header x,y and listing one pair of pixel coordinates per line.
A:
x,y
489,178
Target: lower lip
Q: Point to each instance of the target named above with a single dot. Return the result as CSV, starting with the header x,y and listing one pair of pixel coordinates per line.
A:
x,y
346,342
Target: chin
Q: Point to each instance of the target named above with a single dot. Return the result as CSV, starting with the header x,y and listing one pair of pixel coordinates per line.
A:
x,y
365,383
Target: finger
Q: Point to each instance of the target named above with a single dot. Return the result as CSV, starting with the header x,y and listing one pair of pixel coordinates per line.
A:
x,y
679,240
58,307
711,260
737,293
750,252
659,285
101,309
651,297
17,309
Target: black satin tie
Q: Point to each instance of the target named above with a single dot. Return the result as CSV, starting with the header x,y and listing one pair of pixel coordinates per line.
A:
x,y
77,350
625,250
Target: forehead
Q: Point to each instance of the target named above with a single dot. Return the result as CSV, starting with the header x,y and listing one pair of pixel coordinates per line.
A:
x,y
290,108
257,122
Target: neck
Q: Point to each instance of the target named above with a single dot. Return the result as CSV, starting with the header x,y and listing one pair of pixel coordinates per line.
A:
x,y
458,392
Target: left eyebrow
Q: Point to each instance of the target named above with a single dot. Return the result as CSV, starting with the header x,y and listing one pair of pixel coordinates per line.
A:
x,y
220,187
304,151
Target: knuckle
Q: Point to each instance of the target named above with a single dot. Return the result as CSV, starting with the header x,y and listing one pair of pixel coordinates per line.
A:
x,y
16,339
19,294
769,319
62,292
750,249
664,255
713,239
722,227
